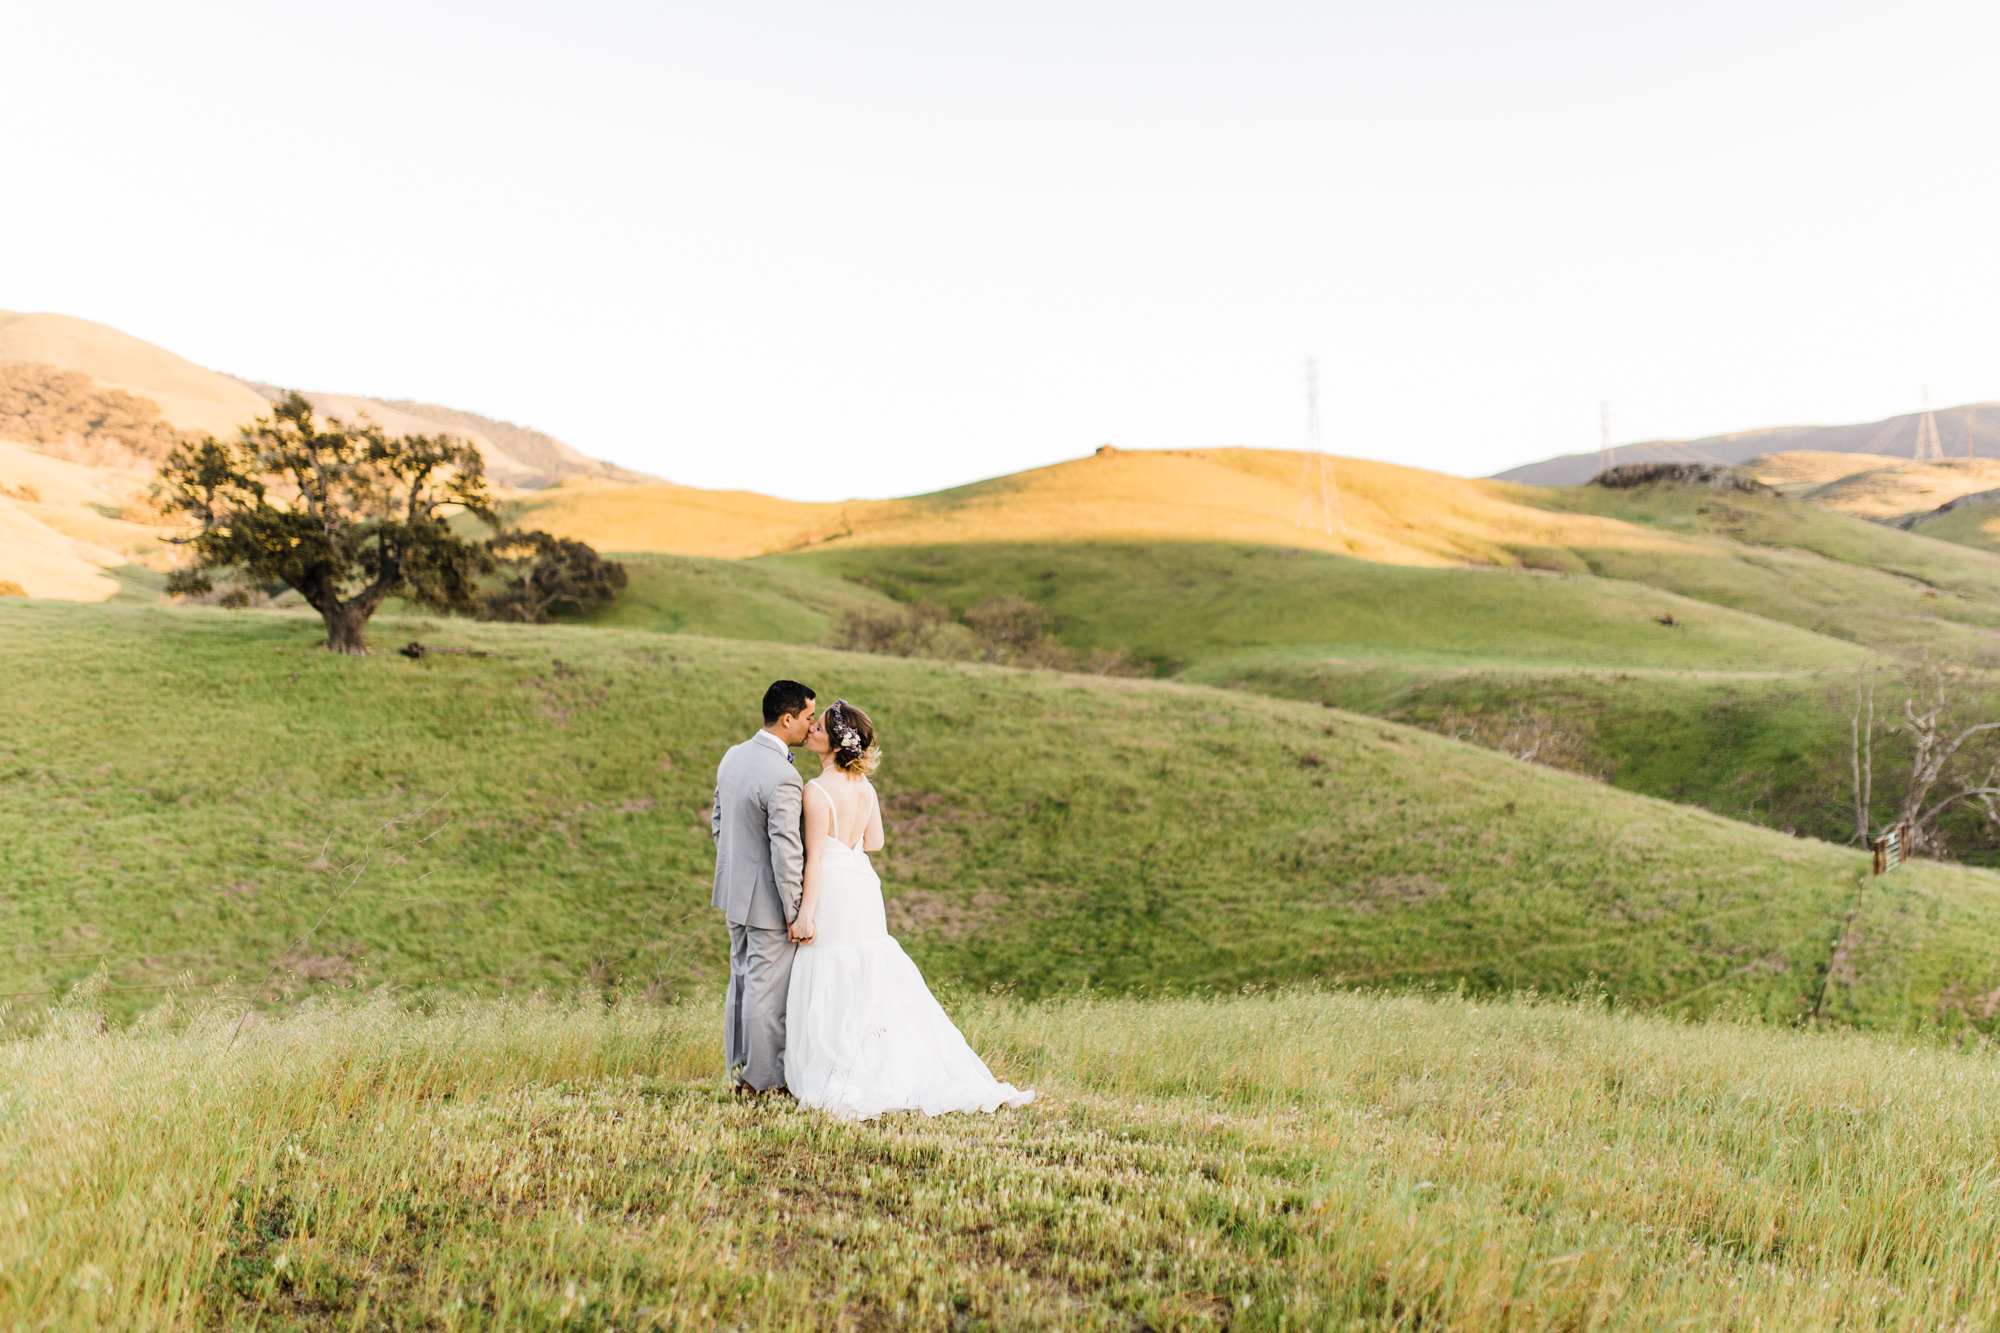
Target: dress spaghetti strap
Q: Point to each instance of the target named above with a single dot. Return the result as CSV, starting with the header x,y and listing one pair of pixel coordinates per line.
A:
x,y
832,807
833,810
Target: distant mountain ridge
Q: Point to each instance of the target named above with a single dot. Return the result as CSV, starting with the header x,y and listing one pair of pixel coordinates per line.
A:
x,y
1895,436
515,455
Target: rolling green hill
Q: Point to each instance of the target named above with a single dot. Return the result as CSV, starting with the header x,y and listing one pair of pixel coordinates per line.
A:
x,y
1780,561
1729,710
1179,603
1972,521
731,599
1740,715
180,790
1767,747
1793,561
1772,555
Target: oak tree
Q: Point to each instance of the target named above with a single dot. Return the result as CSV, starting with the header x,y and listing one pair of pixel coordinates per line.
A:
x,y
341,512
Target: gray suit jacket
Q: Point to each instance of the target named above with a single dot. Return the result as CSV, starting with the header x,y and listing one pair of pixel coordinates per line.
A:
x,y
760,851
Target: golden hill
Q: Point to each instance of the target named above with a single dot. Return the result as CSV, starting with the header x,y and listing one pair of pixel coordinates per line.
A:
x,y
206,401
1906,487
190,397
1794,470
1394,515
1970,429
1878,487
515,456
62,524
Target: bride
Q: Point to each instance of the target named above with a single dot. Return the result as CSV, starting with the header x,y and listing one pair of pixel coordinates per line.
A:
x,y
863,1034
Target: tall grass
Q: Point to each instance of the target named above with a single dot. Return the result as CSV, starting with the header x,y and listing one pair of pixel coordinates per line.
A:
x,y
1295,1159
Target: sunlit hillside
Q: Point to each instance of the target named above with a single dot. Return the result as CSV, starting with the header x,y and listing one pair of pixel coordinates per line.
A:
x,y
514,456
63,525
194,399
1777,557
1946,499
1391,514
1906,487
1795,470
189,396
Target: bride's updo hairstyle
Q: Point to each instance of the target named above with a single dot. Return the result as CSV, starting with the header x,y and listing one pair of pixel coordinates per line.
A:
x,y
852,736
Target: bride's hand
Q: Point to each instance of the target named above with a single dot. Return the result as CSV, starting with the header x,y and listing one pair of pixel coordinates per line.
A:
x,y
804,928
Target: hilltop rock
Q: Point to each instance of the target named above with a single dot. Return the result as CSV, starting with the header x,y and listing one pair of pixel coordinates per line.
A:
x,y
1627,475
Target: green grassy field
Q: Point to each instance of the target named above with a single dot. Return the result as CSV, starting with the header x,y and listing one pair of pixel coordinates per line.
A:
x,y
731,599
182,792
1731,710
1775,598
1971,525
1767,747
1288,1161
1175,604
1779,560
1796,562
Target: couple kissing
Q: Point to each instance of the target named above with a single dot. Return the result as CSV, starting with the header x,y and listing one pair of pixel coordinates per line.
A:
x,y
822,1001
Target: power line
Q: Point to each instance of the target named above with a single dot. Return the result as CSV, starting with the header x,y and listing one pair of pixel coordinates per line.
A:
x,y
1928,444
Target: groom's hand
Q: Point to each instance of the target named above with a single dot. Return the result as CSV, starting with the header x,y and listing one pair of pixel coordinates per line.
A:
x,y
803,928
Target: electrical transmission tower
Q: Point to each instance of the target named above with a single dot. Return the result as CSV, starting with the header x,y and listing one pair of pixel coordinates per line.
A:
x,y
1928,444
1604,436
1319,492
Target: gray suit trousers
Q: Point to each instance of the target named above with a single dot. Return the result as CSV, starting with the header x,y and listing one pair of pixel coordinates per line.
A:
x,y
753,1015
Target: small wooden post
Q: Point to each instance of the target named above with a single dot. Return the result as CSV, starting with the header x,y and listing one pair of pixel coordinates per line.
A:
x,y
1888,848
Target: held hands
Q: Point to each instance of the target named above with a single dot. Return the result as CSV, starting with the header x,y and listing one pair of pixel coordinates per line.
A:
x,y
803,928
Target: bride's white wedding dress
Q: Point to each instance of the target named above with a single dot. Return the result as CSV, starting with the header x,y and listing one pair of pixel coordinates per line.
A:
x,y
863,1034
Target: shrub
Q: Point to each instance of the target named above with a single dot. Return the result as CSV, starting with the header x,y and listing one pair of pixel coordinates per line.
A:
x,y
914,629
541,574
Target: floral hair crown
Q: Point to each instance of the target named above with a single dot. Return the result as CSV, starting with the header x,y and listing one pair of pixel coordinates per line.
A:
x,y
836,723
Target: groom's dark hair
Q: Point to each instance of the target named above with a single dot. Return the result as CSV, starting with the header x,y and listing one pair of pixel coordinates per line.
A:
x,y
786,696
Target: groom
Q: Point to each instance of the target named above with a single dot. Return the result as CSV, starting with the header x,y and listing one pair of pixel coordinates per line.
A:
x,y
760,861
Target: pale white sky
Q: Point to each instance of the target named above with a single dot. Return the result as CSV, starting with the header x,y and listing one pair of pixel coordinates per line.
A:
x,y
872,249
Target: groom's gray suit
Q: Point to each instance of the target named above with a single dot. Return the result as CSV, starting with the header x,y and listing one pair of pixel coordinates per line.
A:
x,y
760,863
